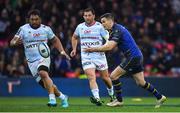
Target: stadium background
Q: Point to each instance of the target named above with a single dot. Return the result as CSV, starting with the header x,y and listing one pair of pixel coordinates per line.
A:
x,y
155,25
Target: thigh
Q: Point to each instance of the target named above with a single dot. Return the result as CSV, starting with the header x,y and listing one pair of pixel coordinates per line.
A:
x,y
45,62
117,72
35,66
132,65
87,64
90,72
104,73
100,63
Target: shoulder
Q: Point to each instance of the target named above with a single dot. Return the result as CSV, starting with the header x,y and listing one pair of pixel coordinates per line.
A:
x,y
45,26
118,28
81,25
98,23
25,26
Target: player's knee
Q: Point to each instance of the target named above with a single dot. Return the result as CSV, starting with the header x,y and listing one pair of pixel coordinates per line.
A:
x,y
140,83
105,77
43,74
92,79
113,77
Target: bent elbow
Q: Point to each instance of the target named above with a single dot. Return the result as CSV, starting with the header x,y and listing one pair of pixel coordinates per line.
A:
x,y
110,48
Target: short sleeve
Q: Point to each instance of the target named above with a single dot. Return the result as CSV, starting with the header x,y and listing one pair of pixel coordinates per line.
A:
x,y
50,33
76,32
115,36
104,33
19,32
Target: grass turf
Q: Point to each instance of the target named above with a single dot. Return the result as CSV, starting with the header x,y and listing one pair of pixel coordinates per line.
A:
x,y
38,104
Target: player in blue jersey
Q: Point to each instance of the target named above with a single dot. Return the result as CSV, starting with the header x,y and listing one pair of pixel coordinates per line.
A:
x,y
31,35
133,65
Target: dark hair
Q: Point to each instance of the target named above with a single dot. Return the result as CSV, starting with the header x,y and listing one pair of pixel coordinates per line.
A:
x,y
34,12
108,16
89,9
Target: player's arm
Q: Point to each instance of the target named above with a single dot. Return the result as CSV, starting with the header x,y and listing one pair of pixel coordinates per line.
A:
x,y
74,42
16,41
109,45
58,45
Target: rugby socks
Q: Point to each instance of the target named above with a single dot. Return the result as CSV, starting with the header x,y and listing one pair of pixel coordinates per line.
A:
x,y
151,89
117,89
110,91
95,93
62,96
52,97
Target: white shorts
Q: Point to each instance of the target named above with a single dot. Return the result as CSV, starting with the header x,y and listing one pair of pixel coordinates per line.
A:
x,y
97,62
35,65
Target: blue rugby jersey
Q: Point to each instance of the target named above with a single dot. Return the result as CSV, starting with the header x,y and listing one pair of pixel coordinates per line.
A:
x,y
125,41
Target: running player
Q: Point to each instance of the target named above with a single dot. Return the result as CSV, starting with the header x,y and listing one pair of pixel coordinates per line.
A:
x,y
31,35
120,37
91,34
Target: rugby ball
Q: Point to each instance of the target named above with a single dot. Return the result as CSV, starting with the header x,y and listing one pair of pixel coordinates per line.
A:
x,y
44,50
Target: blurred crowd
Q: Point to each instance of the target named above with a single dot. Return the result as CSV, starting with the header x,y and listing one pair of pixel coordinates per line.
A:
x,y
155,25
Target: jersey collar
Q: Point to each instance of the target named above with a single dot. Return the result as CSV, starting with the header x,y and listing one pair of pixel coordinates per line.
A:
x,y
89,25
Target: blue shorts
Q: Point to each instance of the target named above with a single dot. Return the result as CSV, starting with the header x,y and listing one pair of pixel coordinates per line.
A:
x,y
133,65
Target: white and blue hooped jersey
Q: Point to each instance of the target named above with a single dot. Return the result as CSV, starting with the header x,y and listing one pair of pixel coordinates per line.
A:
x,y
31,39
91,36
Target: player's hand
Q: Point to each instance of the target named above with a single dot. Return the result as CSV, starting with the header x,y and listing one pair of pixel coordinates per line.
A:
x,y
17,41
73,53
66,55
89,50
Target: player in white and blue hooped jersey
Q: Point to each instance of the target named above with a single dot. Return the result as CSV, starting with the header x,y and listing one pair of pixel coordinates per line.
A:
x,y
133,65
31,35
91,34
32,38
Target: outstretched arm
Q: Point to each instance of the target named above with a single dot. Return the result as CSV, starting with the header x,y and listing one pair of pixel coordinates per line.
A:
x,y
58,45
109,45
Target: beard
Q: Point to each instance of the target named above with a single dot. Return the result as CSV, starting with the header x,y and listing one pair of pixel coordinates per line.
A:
x,y
35,26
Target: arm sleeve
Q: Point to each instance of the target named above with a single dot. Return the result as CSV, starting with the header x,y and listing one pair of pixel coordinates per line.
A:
x,y
76,32
115,36
19,33
50,33
104,33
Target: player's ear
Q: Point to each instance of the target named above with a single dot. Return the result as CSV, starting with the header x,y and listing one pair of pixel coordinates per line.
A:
x,y
40,20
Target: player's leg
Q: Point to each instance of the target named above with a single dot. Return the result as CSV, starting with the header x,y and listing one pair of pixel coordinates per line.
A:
x,y
139,78
58,94
102,67
35,69
92,82
64,98
106,78
118,72
89,69
48,83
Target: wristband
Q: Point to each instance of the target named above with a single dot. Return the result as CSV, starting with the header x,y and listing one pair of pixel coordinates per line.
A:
x,y
62,52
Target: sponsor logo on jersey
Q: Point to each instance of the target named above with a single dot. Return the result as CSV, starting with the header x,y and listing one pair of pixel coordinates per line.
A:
x,y
36,34
87,31
31,46
90,43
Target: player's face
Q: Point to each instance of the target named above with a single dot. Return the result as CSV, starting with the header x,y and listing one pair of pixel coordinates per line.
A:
x,y
107,23
88,17
35,21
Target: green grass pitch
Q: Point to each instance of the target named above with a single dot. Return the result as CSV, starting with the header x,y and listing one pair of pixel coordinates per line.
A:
x,y
38,104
